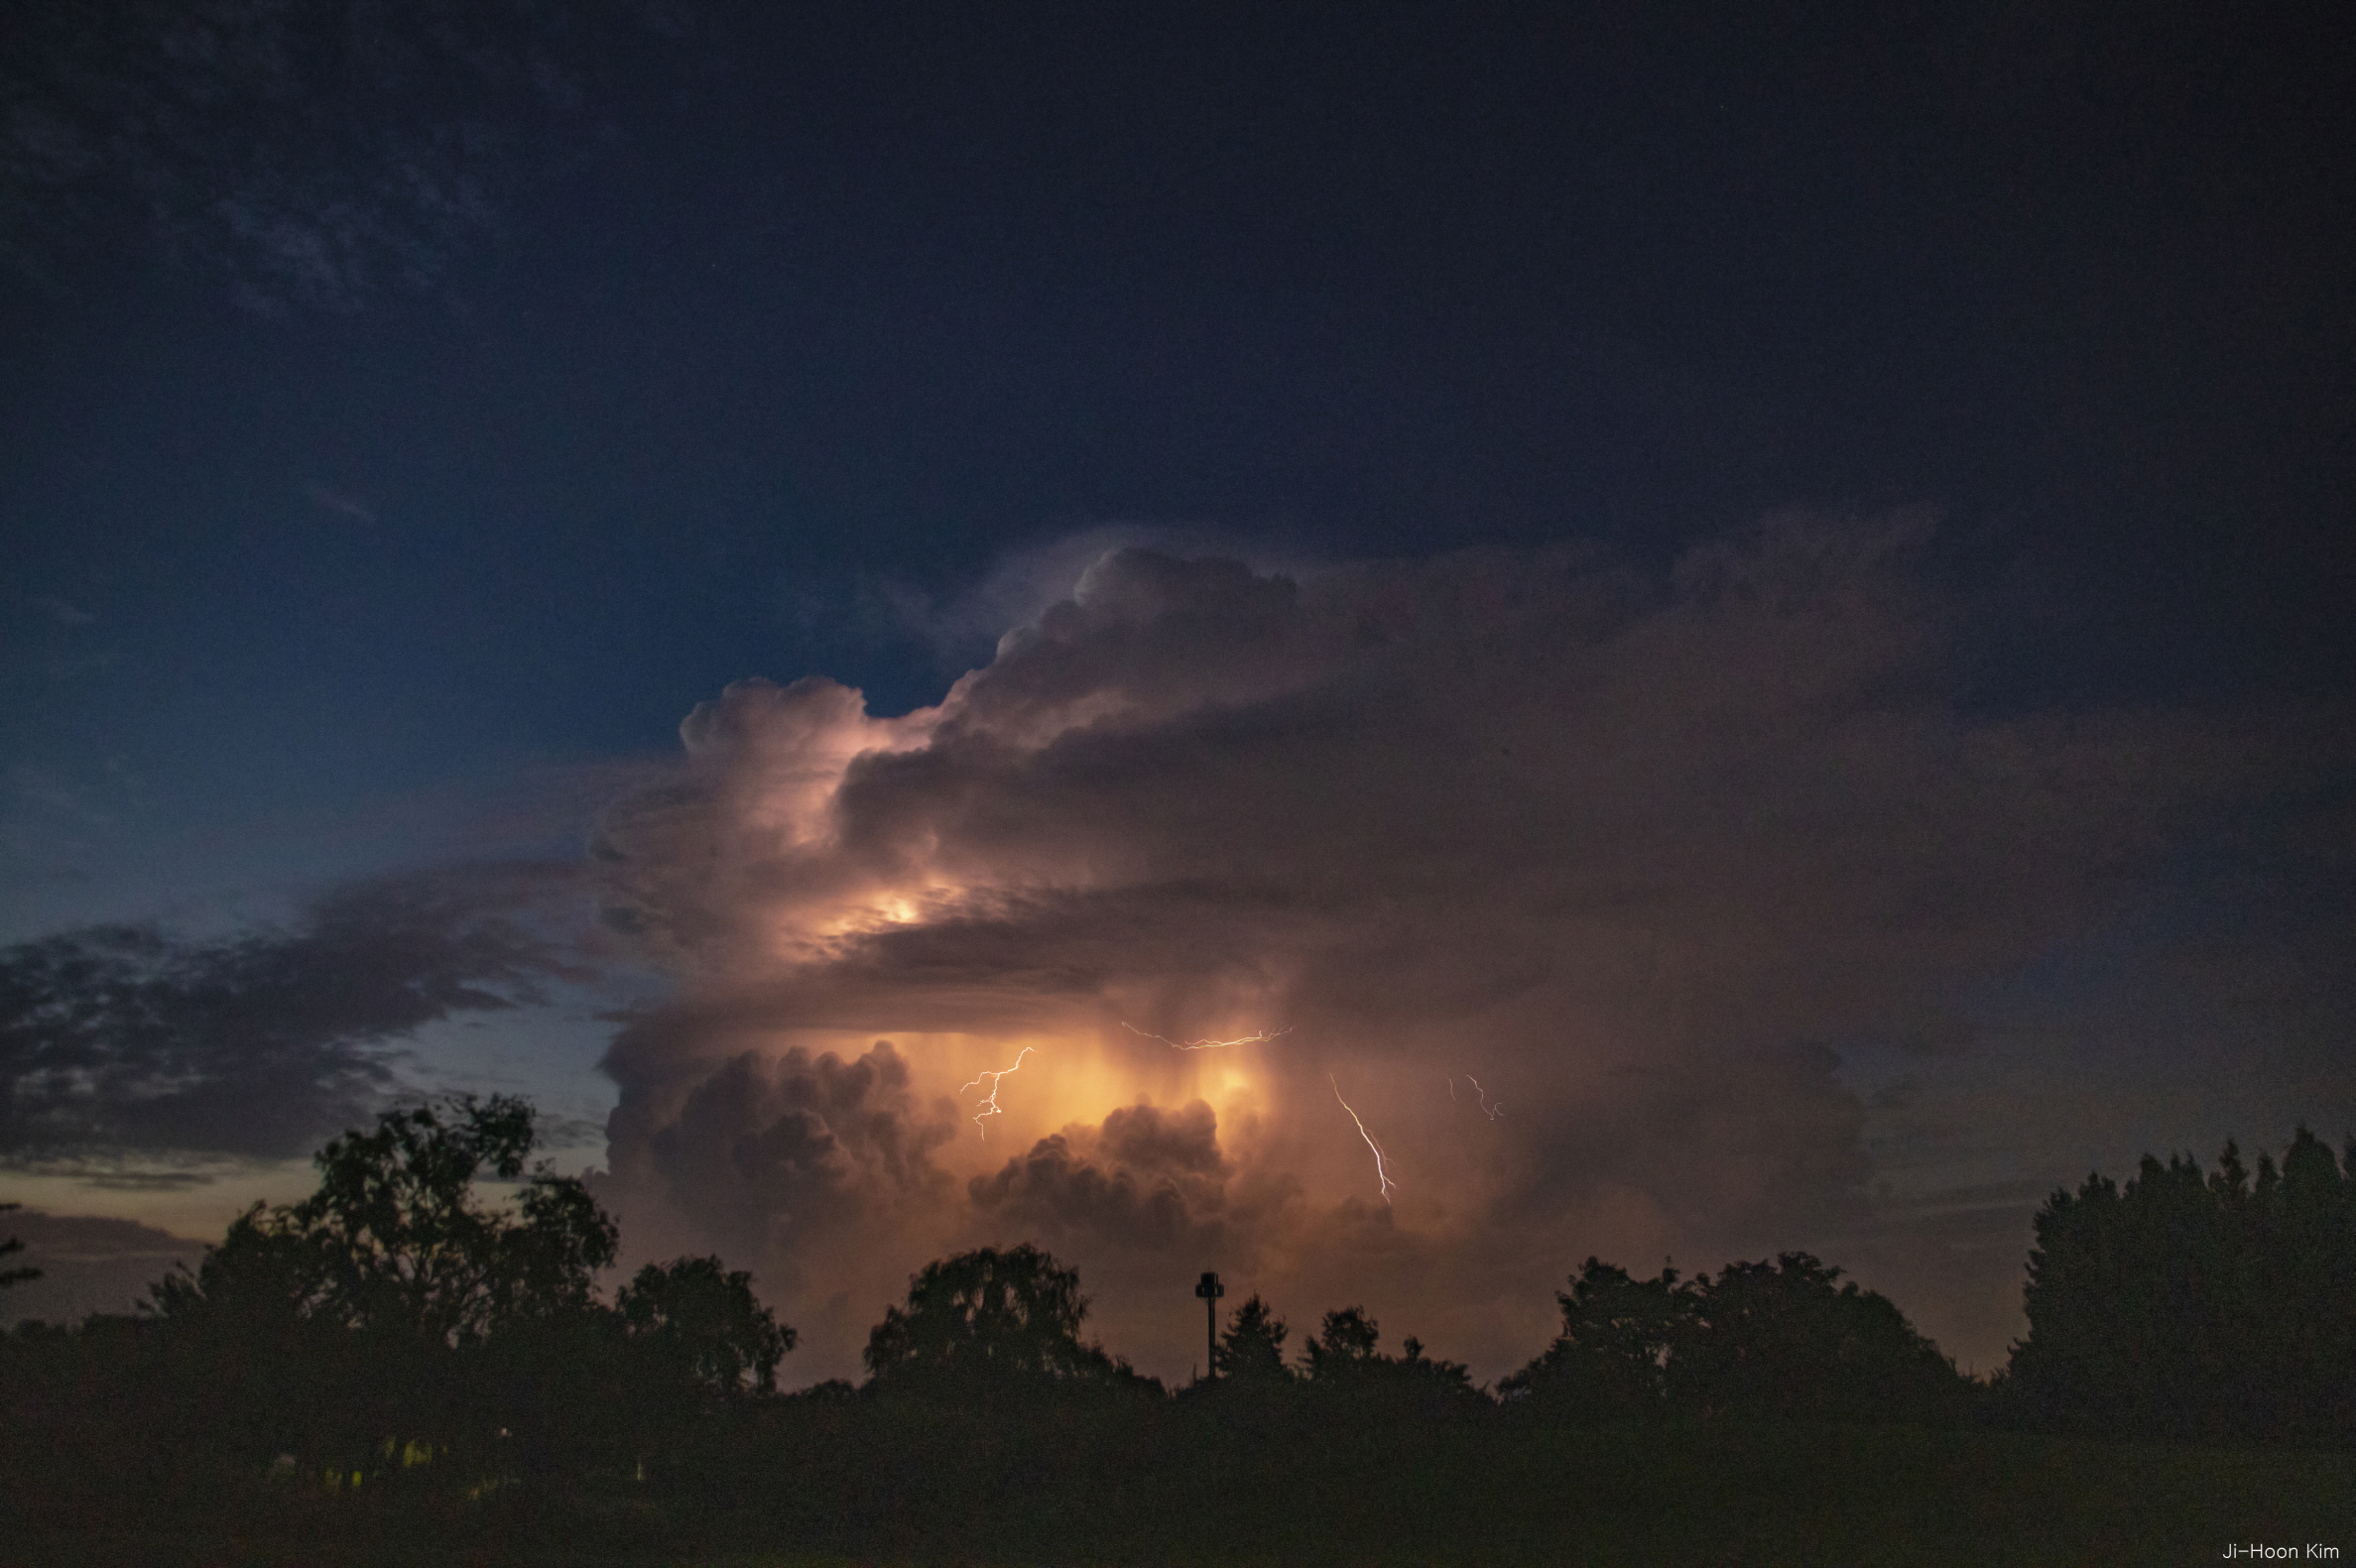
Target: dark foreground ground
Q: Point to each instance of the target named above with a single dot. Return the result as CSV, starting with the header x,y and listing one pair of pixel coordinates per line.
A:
x,y
1473,1493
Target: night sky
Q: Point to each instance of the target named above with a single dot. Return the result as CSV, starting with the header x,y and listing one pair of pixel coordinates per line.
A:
x,y
1765,592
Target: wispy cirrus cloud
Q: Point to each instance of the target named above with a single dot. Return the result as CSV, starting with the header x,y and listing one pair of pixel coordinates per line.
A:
x,y
309,155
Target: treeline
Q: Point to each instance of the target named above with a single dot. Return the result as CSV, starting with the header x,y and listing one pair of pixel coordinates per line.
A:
x,y
393,1322
395,1342
2197,1304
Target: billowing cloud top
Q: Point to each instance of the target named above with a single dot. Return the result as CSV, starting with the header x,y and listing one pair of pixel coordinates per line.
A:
x,y
1560,884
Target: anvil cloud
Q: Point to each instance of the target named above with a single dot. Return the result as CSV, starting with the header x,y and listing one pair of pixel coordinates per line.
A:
x,y
1639,855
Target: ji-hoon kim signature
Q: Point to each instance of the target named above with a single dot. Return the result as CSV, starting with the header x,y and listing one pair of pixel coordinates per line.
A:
x,y
2253,1551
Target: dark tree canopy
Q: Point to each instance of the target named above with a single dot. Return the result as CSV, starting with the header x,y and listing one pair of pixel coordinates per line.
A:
x,y
1345,1358
427,1325
1252,1349
1782,1340
397,1242
1345,1346
398,1317
989,1318
393,1313
2196,1303
1788,1340
703,1320
1611,1359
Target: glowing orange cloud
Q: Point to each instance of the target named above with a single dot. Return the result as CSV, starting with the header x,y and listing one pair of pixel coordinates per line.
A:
x,y
1648,842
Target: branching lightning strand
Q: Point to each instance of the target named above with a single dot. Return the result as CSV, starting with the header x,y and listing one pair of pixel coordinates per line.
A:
x,y
989,1102
1207,1045
1491,1111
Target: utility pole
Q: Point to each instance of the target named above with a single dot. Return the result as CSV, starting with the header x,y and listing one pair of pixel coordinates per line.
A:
x,y
1210,1291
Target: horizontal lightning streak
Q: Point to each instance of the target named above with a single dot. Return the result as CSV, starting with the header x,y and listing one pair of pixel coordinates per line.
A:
x,y
1381,1175
1260,1038
989,1102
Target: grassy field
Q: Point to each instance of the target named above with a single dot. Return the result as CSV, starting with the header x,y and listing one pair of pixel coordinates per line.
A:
x,y
1692,1496
1734,1496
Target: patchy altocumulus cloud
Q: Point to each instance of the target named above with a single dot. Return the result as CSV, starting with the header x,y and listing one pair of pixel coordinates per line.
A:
x,y
1644,855
129,1056
310,154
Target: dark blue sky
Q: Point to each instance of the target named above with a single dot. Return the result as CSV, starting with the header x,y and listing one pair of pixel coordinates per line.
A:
x,y
411,410
757,308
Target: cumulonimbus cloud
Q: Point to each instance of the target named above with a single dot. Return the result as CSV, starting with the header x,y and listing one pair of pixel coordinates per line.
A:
x,y
1637,854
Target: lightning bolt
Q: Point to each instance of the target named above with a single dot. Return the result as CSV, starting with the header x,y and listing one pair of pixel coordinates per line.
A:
x,y
989,1102
1381,1175
1492,1112
1249,1040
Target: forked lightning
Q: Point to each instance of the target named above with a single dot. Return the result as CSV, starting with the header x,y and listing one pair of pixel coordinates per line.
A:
x,y
1381,1175
989,1102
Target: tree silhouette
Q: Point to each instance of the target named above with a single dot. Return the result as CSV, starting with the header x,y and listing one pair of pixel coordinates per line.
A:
x,y
1788,1340
1610,1361
360,1323
2197,1303
1449,1379
1252,1349
9,1248
703,1323
1344,1348
396,1242
989,1320
1343,1362
1781,1340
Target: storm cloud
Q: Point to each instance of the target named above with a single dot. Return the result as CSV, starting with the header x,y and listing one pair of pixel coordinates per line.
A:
x,y
773,1155
1145,1178
1643,854
125,1051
